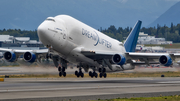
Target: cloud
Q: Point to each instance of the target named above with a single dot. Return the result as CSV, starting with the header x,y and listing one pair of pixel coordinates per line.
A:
x,y
122,1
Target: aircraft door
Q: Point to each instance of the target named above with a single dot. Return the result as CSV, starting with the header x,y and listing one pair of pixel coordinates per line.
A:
x,y
64,35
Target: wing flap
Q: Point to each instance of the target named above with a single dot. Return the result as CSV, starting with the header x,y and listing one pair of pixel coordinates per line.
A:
x,y
97,55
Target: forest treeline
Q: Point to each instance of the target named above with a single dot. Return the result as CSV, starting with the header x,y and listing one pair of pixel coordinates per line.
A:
x,y
20,33
169,33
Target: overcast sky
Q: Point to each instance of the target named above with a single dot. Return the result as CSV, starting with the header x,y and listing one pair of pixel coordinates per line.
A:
x,y
28,14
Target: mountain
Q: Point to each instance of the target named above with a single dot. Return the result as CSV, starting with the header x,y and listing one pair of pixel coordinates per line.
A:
x,y
28,14
172,15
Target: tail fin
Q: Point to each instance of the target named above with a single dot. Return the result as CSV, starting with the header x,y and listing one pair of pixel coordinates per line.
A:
x,y
131,41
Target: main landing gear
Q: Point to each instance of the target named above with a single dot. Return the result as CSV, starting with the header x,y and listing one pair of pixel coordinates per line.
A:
x,y
80,73
102,72
62,71
93,74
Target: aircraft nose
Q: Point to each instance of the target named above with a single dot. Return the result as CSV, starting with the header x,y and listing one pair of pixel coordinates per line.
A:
x,y
41,30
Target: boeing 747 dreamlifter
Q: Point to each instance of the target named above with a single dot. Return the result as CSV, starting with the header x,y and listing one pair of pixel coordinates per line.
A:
x,y
71,41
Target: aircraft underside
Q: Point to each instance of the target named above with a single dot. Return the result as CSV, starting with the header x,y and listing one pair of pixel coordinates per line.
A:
x,y
101,66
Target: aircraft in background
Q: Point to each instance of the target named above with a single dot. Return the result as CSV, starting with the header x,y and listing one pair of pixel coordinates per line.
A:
x,y
71,41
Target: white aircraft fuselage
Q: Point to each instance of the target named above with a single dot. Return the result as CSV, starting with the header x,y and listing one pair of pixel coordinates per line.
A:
x,y
69,37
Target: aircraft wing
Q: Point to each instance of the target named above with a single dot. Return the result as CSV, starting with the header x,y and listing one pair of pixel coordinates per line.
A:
x,y
108,55
143,58
152,55
23,51
11,55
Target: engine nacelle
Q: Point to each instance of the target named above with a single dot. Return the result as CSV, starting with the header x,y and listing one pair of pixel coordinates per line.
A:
x,y
119,59
10,56
165,60
29,57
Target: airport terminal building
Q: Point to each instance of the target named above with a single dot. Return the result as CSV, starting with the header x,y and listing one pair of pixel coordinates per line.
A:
x,y
11,42
146,39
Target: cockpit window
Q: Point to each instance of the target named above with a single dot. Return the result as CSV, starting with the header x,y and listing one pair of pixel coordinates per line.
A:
x,y
49,19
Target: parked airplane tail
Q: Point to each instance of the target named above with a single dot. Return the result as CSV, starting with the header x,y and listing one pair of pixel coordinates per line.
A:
x,y
131,41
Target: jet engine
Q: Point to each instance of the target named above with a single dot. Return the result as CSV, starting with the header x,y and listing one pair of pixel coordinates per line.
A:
x,y
29,57
119,59
10,56
165,60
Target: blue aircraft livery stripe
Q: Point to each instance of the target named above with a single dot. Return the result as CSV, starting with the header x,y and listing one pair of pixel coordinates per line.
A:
x,y
131,41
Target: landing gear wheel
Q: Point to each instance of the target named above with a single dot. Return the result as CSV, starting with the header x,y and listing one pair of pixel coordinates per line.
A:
x,y
105,75
59,68
100,75
90,73
82,75
76,73
100,69
63,69
104,70
60,74
96,75
64,74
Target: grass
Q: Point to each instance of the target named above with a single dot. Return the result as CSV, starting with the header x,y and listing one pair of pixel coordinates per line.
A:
x,y
160,98
174,45
145,74
109,75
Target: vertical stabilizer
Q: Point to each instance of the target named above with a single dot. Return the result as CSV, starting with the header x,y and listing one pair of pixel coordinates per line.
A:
x,y
131,41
